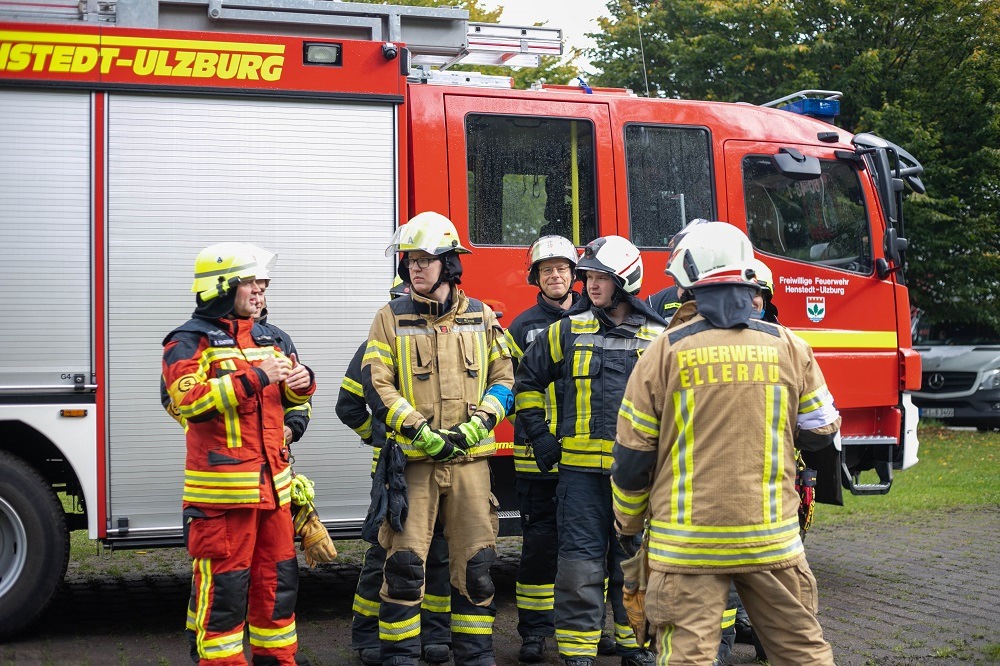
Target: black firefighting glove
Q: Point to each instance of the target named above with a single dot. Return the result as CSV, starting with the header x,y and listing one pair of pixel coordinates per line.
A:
x,y
629,543
547,450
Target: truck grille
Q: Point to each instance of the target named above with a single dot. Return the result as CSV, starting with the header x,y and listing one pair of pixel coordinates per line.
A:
x,y
947,382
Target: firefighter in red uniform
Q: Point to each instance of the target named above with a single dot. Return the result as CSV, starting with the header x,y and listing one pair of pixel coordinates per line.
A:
x,y
232,390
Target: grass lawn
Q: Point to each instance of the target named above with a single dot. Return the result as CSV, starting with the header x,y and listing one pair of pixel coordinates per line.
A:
x,y
957,469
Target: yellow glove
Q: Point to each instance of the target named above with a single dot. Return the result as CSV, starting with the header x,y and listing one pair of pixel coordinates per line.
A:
x,y
636,574
316,541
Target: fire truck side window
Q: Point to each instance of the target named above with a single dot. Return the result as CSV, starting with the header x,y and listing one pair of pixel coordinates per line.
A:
x,y
820,221
528,177
669,181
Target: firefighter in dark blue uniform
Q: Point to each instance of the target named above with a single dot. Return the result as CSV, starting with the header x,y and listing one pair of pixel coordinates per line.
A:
x,y
551,263
592,350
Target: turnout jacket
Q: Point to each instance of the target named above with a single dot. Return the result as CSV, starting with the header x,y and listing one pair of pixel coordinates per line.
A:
x,y
236,454
706,439
520,334
352,409
434,364
592,358
297,417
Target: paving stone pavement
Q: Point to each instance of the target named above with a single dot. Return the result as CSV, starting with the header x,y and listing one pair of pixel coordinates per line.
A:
x,y
891,594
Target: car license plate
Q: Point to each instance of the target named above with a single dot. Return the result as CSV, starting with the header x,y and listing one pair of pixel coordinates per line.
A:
x,y
938,412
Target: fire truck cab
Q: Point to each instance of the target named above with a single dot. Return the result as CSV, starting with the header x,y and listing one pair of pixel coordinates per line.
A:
x,y
136,132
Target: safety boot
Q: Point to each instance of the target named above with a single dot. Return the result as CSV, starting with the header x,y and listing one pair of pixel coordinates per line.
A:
x,y
370,656
436,653
578,661
532,649
606,645
639,657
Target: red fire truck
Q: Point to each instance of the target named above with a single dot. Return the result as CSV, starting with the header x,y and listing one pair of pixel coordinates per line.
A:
x,y
136,132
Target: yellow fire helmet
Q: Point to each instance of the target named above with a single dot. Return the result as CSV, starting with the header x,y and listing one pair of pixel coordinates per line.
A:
x,y
398,288
220,267
429,231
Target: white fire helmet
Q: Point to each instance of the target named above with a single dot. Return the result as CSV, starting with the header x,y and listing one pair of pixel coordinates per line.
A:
x,y
710,253
616,256
549,247
762,275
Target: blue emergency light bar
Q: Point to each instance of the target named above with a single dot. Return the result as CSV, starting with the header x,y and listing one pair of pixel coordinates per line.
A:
x,y
820,109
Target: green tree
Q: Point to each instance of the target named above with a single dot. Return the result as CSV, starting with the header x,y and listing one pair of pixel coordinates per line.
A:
x,y
551,69
925,74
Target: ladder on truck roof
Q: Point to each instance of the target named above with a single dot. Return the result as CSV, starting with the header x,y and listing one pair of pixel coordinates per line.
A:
x,y
435,37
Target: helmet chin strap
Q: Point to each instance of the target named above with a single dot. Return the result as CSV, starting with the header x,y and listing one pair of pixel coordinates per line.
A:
x,y
616,299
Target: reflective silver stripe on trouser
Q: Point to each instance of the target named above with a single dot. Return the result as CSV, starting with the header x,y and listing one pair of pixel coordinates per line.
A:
x,y
472,630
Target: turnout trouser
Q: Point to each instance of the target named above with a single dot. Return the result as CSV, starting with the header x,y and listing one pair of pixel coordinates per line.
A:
x,y
587,545
458,494
684,610
435,610
245,578
536,572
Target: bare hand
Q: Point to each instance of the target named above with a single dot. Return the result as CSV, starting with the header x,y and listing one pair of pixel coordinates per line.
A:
x,y
277,369
288,435
298,379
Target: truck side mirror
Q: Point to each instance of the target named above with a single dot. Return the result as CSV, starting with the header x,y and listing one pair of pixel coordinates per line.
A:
x,y
791,163
894,247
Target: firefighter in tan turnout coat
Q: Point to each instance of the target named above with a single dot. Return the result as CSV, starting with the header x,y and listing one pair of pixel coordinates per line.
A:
x,y
705,453
438,372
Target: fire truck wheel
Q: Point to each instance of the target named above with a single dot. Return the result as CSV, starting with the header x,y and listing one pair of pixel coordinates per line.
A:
x,y
34,544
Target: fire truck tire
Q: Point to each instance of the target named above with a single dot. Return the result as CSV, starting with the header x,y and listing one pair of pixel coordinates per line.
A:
x,y
34,544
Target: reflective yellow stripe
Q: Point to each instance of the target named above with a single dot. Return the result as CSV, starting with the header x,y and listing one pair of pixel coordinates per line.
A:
x,y
365,607
436,604
666,646
682,458
728,618
581,367
218,647
231,418
625,636
587,453
683,555
577,643
404,378
273,638
641,421
629,503
813,400
352,387
515,352
480,625
400,631
399,411
295,398
775,421
283,486
535,597
849,339
379,351
555,341
529,400
221,487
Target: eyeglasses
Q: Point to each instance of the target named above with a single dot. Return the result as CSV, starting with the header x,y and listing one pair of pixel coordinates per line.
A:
x,y
549,271
422,262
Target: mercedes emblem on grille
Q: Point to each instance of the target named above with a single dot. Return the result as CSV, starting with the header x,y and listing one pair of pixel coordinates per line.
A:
x,y
935,381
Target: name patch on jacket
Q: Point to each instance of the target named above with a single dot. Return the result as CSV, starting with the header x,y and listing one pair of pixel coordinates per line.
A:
x,y
728,364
